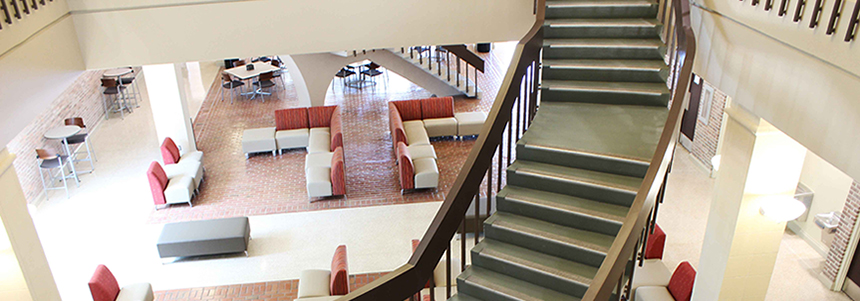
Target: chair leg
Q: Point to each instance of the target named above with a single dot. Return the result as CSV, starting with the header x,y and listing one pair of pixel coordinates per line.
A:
x,y
89,147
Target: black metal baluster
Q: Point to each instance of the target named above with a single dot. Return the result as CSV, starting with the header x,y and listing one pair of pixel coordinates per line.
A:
x,y
8,18
448,64
798,12
477,215
17,10
783,8
816,13
458,72
490,187
768,4
463,245
755,2
24,6
447,273
852,24
834,17
467,79
499,166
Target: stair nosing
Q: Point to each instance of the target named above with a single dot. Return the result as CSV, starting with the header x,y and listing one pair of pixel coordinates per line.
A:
x,y
580,244
585,153
490,252
479,281
513,196
567,178
560,4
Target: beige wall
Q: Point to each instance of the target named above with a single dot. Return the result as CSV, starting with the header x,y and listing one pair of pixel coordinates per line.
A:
x,y
29,25
831,190
811,101
250,28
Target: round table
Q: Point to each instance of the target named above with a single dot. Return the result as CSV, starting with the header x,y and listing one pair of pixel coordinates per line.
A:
x,y
117,72
64,133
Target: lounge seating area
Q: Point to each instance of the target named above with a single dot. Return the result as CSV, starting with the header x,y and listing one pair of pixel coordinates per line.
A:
x,y
178,181
653,282
324,285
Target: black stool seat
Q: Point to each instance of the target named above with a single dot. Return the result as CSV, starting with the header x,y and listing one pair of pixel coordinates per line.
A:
x,y
53,163
77,139
232,84
265,84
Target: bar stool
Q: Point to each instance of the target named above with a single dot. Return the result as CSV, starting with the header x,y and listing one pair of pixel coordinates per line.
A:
x,y
81,140
228,82
263,82
343,74
135,90
114,98
372,70
49,160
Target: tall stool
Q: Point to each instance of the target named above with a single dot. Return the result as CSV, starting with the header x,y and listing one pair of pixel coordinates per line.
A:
x,y
114,98
81,140
343,74
131,83
50,160
228,82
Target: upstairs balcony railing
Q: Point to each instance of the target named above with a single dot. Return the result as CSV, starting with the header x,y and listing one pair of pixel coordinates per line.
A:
x,y
815,19
15,10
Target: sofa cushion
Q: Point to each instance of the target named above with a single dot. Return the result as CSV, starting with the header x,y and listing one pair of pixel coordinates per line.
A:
x,y
652,273
258,140
291,119
419,151
656,242
136,292
426,173
288,139
437,107
652,293
314,283
103,285
192,169
336,130
320,116
339,272
416,135
157,182
320,142
318,181
318,160
404,163
413,123
441,127
179,189
409,109
338,174
169,151
470,123
681,283
192,156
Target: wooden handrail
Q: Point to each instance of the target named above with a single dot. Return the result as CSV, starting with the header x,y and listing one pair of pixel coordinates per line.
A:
x,y
407,280
467,55
624,246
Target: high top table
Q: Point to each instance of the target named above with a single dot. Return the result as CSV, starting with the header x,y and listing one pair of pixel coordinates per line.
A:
x,y
64,133
259,68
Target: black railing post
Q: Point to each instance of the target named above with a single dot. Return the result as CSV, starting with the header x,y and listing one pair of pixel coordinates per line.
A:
x,y
816,14
834,17
798,11
458,72
783,8
852,24
448,273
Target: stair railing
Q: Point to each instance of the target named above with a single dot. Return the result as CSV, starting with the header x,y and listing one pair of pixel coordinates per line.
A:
x,y
510,116
675,15
24,6
459,66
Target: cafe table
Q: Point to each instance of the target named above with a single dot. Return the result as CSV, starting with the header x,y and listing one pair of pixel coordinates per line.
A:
x,y
64,132
243,73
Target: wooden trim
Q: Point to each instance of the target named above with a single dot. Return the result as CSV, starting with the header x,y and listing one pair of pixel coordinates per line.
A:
x,y
467,55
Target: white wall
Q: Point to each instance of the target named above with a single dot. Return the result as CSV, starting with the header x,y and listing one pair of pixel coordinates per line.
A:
x,y
223,29
29,25
831,190
813,102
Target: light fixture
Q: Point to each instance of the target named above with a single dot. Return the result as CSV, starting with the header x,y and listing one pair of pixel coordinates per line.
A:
x,y
781,208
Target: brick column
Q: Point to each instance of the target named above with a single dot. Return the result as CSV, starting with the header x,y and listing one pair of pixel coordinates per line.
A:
x,y
840,246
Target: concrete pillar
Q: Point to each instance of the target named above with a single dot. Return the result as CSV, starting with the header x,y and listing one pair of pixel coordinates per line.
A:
x,y
741,245
168,96
24,271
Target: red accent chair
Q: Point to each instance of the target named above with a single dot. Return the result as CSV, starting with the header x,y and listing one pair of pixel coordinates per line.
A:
x,y
104,287
169,190
679,287
323,283
190,164
653,271
170,153
656,243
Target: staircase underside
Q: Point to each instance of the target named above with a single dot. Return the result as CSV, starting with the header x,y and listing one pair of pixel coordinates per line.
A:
x,y
578,167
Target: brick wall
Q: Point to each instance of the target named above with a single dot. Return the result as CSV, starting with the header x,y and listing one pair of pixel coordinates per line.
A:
x,y
706,137
81,99
839,247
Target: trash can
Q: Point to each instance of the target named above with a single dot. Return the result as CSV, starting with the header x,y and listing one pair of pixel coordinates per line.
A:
x,y
484,47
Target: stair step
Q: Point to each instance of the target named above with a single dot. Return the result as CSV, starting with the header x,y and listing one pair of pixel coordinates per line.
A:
x,y
606,70
562,209
618,93
600,9
463,297
551,272
602,28
488,285
604,48
623,143
594,185
577,245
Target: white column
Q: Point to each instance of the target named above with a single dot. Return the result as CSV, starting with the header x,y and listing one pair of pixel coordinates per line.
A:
x,y
24,271
168,96
741,245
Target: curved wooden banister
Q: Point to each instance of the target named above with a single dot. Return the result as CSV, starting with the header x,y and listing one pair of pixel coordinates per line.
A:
x,y
628,237
410,278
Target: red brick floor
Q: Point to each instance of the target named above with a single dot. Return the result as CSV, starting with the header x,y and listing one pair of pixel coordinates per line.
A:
x,y
266,184
285,290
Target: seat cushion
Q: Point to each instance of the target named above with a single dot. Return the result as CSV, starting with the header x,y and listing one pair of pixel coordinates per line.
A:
x,y
314,283
652,293
652,273
192,156
258,140
470,123
419,151
190,168
441,127
326,298
416,135
413,123
103,284
136,292
437,107
426,173
319,142
318,181
291,119
322,159
179,189
292,138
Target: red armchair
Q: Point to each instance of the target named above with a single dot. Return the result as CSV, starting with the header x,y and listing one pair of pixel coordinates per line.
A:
x,y
169,190
170,153
656,243
679,287
322,283
104,287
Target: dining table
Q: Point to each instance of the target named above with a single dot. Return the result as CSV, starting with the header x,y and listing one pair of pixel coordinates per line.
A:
x,y
243,73
63,133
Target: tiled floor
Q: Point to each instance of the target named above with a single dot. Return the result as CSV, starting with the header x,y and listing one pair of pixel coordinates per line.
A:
x,y
266,184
